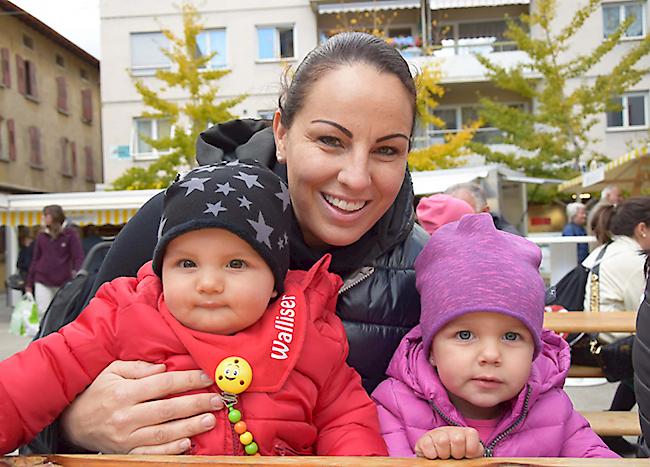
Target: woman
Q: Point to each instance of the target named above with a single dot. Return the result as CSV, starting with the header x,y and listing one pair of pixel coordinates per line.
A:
x,y
621,280
640,361
56,258
340,138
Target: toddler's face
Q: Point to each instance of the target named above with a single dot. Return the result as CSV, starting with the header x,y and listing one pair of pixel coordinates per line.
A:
x,y
214,281
483,359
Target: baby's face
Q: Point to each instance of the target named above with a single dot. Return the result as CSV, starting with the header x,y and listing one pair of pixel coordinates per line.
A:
x,y
483,359
214,281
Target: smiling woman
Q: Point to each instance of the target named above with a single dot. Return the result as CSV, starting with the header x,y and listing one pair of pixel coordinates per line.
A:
x,y
340,138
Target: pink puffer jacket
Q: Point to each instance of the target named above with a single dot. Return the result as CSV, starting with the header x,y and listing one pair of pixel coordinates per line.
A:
x,y
541,422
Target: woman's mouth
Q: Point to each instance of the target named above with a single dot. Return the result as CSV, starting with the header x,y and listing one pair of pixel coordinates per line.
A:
x,y
348,206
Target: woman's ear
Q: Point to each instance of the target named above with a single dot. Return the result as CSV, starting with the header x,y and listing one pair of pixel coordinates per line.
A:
x,y
280,135
642,229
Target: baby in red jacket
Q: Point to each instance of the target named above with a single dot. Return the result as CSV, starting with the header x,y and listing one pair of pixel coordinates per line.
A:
x,y
217,296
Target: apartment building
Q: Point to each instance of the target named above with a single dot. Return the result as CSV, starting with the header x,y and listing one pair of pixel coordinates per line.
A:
x,y
256,39
50,132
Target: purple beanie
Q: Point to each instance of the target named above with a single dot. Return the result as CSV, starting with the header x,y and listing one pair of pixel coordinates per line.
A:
x,y
469,266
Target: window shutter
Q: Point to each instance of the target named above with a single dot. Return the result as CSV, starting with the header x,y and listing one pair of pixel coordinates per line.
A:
x,y
20,66
32,79
35,146
11,131
6,74
87,105
61,94
64,156
73,159
90,168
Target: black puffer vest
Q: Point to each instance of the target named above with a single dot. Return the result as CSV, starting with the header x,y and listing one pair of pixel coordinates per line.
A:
x,y
641,362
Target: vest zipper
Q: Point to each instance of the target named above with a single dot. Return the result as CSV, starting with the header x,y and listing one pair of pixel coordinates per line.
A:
x,y
489,450
358,277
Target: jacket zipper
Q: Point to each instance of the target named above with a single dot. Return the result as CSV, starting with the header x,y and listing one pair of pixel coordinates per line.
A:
x,y
358,277
489,450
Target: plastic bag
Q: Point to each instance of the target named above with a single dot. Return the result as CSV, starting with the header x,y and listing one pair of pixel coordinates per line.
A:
x,y
24,317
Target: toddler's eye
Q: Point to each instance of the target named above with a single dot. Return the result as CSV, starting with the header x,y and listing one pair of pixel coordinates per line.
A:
x,y
511,336
237,264
464,335
187,263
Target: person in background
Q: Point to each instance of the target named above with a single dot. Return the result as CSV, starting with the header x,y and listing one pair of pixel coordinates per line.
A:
x,y
621,281
479,376
576,213
340,139
474,195
641,364
437,210
611,195
25,255
270,337
90,238
57,257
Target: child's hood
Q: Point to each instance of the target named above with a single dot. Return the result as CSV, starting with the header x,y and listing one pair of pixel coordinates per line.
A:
x,y
410,365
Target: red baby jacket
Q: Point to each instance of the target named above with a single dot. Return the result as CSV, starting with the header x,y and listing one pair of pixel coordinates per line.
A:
x,y
304,398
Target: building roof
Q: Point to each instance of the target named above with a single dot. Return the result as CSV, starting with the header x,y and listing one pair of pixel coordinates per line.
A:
x,y
44,29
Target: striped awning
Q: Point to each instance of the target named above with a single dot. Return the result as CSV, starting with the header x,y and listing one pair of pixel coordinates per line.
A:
x,y
379,5
98,208
631,172
449,4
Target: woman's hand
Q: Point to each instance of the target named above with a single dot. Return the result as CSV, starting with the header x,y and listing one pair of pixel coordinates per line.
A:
x,y
121,411
450,441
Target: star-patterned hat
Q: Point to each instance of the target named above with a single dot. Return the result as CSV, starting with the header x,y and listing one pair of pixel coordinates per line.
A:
x,y
244,198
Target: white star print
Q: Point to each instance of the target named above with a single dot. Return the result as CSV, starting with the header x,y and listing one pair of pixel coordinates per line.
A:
x,y
248,179
194,184
262,230
244,202
207,168
284,196
224,188
161,226
214,209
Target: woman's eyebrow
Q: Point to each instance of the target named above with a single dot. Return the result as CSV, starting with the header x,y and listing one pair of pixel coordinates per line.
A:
x,y
347,132
395,135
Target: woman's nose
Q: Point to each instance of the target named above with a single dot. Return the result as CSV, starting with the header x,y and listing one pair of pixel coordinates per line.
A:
x,y
355,172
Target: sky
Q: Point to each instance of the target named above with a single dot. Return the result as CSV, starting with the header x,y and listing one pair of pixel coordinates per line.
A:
x,y
76,20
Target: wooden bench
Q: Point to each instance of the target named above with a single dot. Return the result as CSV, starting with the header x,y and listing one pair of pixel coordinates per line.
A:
x,y
79,460
576,321
606,423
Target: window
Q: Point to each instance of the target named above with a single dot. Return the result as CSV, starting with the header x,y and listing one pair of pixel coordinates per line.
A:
x,y
4,140
68,158
4,68
35,156
275,42
61,95
472,37
60,61
266,114
631,112
26,77
209,41
149,129
146,52
83,73
86,106
615,14
28,42
90,164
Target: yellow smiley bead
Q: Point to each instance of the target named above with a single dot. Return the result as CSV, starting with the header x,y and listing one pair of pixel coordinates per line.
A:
x,y
246,438
233,375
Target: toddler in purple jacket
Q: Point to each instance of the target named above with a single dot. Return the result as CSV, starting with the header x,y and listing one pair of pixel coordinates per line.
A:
x,y
479,376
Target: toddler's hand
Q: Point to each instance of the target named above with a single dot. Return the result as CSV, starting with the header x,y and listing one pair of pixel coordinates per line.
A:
x,y
450,441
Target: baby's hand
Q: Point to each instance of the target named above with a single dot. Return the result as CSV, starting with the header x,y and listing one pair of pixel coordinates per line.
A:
x,y
450,441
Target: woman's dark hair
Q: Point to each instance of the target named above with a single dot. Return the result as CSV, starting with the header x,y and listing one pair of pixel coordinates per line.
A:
x,y
58,218
622,219
347,48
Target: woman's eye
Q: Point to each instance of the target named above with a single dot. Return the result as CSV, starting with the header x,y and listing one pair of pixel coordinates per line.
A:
x,y
237,264
511,336
187,263
387,151
464,335
330,141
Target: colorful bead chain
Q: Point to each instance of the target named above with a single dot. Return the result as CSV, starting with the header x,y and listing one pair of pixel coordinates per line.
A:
x,y
245,436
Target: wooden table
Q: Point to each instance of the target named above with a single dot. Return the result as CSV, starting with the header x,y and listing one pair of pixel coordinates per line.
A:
x,y
193,461
574,321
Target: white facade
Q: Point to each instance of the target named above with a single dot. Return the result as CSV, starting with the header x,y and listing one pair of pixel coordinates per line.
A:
x,y
242,24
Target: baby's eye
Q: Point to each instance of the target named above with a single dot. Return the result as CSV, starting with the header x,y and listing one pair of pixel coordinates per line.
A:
x,y
464,335
330,141
237,264
511,336
187,263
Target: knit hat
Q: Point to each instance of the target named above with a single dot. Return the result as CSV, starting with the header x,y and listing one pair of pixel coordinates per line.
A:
x,y
437,210
469,266
244,198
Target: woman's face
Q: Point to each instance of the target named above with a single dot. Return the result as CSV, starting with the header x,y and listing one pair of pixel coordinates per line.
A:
x,y
346,153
